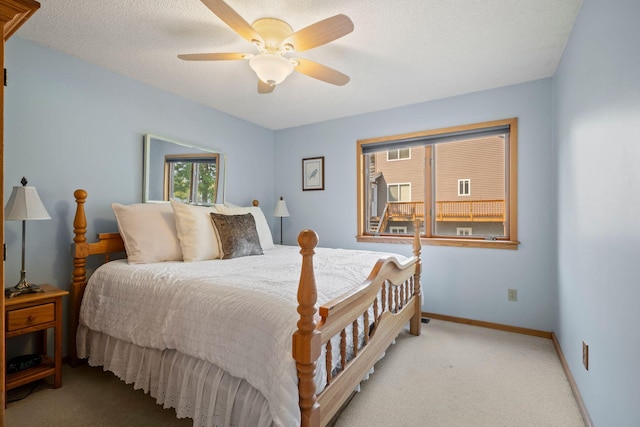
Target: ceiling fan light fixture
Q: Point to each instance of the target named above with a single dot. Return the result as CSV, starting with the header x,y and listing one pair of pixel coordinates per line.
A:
x,y
275,42
271,68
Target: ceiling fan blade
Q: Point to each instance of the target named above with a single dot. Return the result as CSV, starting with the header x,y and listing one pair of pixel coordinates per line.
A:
x,y
321,72
265,87
211,56
322,32
232,19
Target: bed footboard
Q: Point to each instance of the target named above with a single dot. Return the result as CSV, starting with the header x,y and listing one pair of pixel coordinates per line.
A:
x,y
386,301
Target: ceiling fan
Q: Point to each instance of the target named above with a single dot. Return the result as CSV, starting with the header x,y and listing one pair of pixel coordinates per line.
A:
x,y
275,39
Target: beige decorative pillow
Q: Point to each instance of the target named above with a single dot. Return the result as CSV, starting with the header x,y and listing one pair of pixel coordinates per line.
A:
x,y
196,233
148,231
264,232
238,235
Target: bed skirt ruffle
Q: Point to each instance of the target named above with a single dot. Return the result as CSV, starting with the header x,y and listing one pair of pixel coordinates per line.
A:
x,y
195,388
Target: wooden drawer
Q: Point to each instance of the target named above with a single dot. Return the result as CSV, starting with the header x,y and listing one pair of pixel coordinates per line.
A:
x,y
30,316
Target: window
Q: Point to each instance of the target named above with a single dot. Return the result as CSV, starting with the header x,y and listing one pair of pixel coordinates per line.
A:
x,y
433,185
464,187
192,178
399,192
464,231
399,154
398,230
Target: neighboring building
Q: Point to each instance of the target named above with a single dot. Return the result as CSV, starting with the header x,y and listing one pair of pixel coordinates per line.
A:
x,y
469,183
396,192
470,187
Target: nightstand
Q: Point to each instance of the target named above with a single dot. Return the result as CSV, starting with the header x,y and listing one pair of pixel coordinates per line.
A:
x,y
36,313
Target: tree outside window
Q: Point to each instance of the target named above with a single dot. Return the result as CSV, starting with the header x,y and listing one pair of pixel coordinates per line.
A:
x,y
192,178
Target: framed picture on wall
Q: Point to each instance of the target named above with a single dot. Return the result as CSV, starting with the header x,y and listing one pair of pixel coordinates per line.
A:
x,y
313,173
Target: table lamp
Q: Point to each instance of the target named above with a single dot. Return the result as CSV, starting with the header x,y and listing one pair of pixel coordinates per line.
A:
x,y
24,205
280,212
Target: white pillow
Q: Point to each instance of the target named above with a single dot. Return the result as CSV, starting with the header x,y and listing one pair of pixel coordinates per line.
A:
x,y
148,231
264,232
197,235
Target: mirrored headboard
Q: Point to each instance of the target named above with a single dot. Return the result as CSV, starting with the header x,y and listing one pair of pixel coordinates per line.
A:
x,y
185,172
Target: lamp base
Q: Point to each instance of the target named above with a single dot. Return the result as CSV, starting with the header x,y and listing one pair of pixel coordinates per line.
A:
x,y
22,288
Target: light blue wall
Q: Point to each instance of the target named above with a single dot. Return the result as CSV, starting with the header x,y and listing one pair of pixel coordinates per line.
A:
x,y
597,129
70,124
465,282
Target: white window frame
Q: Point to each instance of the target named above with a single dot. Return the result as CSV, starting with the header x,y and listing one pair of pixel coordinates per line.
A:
x,y
399,157
397,229
464,181
399,184
464,231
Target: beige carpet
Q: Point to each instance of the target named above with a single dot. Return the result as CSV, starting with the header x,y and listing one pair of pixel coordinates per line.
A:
x,y
460,375
453,375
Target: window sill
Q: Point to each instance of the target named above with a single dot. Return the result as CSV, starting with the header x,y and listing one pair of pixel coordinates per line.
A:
x,y
464,243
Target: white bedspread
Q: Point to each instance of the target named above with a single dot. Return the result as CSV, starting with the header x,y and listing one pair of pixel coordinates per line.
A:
x,y
238,314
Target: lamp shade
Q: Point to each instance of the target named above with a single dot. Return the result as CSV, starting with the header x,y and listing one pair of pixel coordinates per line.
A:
x,y
281,209
271,68
25,204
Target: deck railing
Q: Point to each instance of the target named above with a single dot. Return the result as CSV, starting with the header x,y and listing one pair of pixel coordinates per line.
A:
x,y
409,210
471,210
467,210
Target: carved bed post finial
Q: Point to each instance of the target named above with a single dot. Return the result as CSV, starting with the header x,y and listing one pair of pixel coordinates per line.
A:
x,y
306,340
79,271
416,325
80,220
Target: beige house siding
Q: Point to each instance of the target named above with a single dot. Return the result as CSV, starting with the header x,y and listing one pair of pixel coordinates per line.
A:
x,y
481,161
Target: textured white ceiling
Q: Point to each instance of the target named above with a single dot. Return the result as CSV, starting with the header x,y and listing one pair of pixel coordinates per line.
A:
x,y
401,52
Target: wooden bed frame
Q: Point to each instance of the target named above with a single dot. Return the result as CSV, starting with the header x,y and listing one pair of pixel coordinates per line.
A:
x,y
400,303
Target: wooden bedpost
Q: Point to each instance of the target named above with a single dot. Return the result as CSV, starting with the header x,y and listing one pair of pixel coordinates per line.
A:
x,y
80,253
108,243
416,321
306,340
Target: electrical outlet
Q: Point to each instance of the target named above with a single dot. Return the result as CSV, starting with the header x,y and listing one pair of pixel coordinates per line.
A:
x,y
585,355
512,294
